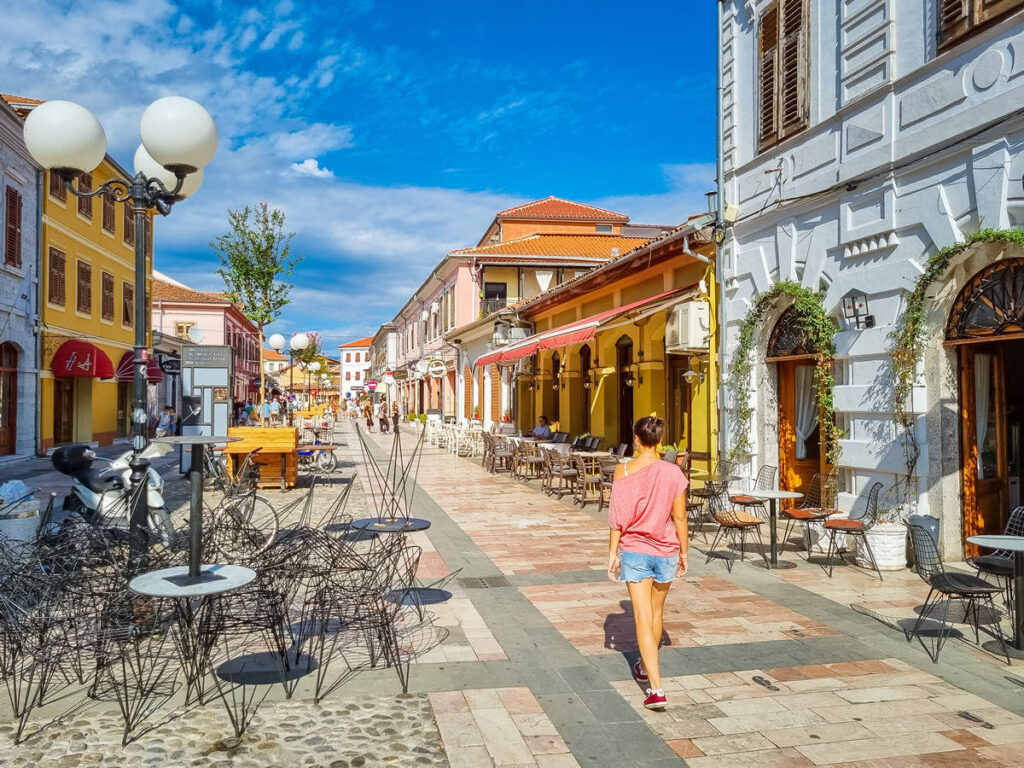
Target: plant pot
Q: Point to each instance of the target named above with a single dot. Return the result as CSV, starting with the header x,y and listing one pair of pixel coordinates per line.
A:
x,y
820,537
888,542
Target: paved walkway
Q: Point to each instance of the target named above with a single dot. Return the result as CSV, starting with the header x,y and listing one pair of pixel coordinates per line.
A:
x,y
785,668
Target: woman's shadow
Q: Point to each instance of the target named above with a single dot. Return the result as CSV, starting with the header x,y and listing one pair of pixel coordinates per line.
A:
x,y
620,633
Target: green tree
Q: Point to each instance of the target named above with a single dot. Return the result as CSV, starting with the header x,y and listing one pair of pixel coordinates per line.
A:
x,y
255,262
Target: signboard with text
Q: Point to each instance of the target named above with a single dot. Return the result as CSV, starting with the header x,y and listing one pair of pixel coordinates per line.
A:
x,y
206,378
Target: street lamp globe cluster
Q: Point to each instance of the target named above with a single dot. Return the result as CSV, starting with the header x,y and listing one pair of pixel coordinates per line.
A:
x,y
179,138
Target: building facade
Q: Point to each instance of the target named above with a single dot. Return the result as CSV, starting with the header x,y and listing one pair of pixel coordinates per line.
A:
x,y
19,285
355,363
857,141
383,361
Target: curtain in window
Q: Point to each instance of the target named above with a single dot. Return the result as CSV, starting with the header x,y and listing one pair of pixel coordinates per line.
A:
x,y
982,391
806,408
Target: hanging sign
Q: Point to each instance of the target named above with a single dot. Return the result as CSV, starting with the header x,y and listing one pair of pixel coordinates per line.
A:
x,y
437,369
400,375
389,379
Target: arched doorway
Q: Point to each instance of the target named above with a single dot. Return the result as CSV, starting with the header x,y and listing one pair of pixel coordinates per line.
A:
x,y
8,398
585,378
801,453
986,325
623,361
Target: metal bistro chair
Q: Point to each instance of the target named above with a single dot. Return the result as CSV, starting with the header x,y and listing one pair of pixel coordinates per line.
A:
x,y
670,456
857,527
969,590
765,481
527,462
999,563
564,471
733,525
817,506
588,480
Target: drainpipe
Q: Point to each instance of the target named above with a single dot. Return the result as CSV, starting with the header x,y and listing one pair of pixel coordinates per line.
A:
x,y
723,426
38,319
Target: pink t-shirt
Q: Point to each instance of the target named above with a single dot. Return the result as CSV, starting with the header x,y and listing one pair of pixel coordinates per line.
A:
x,y
641,507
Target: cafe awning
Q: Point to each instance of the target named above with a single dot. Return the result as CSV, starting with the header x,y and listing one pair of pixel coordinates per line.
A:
x,y
583,331
80,358
126,369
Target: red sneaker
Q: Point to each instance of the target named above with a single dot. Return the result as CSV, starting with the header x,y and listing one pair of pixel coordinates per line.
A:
x,y
638,672
655,699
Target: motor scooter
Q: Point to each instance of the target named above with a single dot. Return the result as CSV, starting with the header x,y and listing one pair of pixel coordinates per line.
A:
x,y
102,496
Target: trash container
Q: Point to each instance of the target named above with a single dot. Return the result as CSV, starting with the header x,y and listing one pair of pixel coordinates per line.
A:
x,y
930,524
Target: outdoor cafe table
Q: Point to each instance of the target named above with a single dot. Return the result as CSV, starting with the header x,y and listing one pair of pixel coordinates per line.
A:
x,y
1014,544
773,497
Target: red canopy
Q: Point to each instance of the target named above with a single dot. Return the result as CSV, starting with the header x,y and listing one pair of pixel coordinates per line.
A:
x,y
573,333
126,369
80,358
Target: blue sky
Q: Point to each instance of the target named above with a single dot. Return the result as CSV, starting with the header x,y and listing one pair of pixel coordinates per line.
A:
x,y
389,132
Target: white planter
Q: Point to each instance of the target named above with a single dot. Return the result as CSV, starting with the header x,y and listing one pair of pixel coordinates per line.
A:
x,y
819,536
889,544
21,529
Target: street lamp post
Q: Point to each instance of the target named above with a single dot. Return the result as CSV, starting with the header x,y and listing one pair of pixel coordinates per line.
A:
x,y
179,138
298,343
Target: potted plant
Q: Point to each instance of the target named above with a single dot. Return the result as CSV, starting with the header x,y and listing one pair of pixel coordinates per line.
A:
x,y
887,536
412,417
507,417
423,418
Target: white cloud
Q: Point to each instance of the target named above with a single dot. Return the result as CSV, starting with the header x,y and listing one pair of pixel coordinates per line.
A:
x,y
315,139
687,184
310,167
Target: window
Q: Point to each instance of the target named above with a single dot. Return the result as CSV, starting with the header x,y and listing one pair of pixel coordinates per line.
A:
x,y
357,375
12,225
782,71
348,357
56,277
959,18
57,189
107,308
129,226
127,304
181,329
604,229
85,203
108,212
84,288
348,375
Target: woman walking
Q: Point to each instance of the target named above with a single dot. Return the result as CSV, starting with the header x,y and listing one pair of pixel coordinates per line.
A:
x,y
647,545
368,413
394,417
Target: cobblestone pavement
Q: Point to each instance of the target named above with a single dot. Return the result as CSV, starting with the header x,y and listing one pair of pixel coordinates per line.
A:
x,y
781,668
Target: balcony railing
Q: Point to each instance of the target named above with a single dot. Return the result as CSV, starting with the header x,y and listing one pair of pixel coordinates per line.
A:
x,y
487,306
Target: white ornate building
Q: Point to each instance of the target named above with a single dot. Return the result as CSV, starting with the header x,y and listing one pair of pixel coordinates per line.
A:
x,y
857,138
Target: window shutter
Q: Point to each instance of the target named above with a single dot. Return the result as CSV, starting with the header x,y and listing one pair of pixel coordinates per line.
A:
x,y
56,292
768,63
108,212
129,225
149,236
57,188
85,203
793,67
84,288
12,252
128,304
108,296
495,393
986,10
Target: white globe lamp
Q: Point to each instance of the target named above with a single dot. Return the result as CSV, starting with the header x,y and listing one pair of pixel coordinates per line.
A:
x,y
64,136
276,342
179,134
299,342
148,166
314,366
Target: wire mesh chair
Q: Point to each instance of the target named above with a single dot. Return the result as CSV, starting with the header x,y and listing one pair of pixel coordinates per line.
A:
x,y
817,506
999,563
733,526
857,528
969,590
765,481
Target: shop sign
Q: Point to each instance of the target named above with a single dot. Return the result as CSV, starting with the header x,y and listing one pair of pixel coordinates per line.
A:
x,y
437,369
400,375
389,379
171,366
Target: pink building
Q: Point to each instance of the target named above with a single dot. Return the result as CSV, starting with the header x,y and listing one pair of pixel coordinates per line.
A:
x,y
177,309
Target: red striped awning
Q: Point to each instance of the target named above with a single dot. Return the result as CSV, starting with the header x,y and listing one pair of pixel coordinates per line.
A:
x,y
578,332
126,369
80,358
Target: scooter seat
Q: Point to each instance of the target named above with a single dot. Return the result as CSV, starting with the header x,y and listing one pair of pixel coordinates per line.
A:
x,y
97,482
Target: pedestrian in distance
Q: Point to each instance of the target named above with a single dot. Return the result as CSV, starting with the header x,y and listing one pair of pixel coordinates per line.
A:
x,y
165,426
382,418
394,417
648,543
368,413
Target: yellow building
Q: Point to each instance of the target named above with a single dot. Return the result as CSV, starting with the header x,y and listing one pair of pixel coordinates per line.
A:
x,y
634,337
87,305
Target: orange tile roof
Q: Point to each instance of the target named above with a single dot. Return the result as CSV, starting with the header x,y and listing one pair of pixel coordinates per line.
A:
x,y
163,291
360,343
12,99
559,208
273,355
589,246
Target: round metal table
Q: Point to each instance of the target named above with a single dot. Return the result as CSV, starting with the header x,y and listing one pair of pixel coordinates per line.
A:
x,y
391,524
1014,544
773,496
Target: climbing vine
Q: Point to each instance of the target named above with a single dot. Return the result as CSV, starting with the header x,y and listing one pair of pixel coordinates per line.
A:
x,y
908,337
820,329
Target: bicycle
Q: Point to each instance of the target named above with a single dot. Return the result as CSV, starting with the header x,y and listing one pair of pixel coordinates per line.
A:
x,y
244,524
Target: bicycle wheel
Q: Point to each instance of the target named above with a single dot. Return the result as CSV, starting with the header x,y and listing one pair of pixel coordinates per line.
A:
x,y
160,525
327,461
244,527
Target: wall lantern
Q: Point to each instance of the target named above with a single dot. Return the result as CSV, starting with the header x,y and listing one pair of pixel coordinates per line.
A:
x,y
855,310
696,371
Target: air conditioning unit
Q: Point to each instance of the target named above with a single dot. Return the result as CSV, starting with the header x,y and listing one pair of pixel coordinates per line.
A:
x,y
424,315
499,339
517,334
688,327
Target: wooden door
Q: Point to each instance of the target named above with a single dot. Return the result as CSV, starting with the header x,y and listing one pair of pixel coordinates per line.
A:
x,y
63,410
124,408
678,403
8,399
798,463
623,361
983,440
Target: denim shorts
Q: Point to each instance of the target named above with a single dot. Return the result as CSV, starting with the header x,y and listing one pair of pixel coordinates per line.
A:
x,y
637,567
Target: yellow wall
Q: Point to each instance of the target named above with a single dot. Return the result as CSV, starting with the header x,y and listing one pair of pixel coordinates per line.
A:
x,y
82,239
650,396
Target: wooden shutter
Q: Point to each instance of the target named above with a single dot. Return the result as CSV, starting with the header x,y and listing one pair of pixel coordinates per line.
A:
x,y
986,10
84,288
128,304
57,188
495,393
768,70
129,225
793,67
107,307
12,246
467,379
954,20
108,212
149,236
56,293
85,203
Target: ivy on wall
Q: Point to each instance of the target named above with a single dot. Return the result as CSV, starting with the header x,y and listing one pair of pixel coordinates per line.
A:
x,y
909,336
820,329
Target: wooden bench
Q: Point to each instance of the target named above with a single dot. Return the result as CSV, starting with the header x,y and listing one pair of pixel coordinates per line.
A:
x,y
278,459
